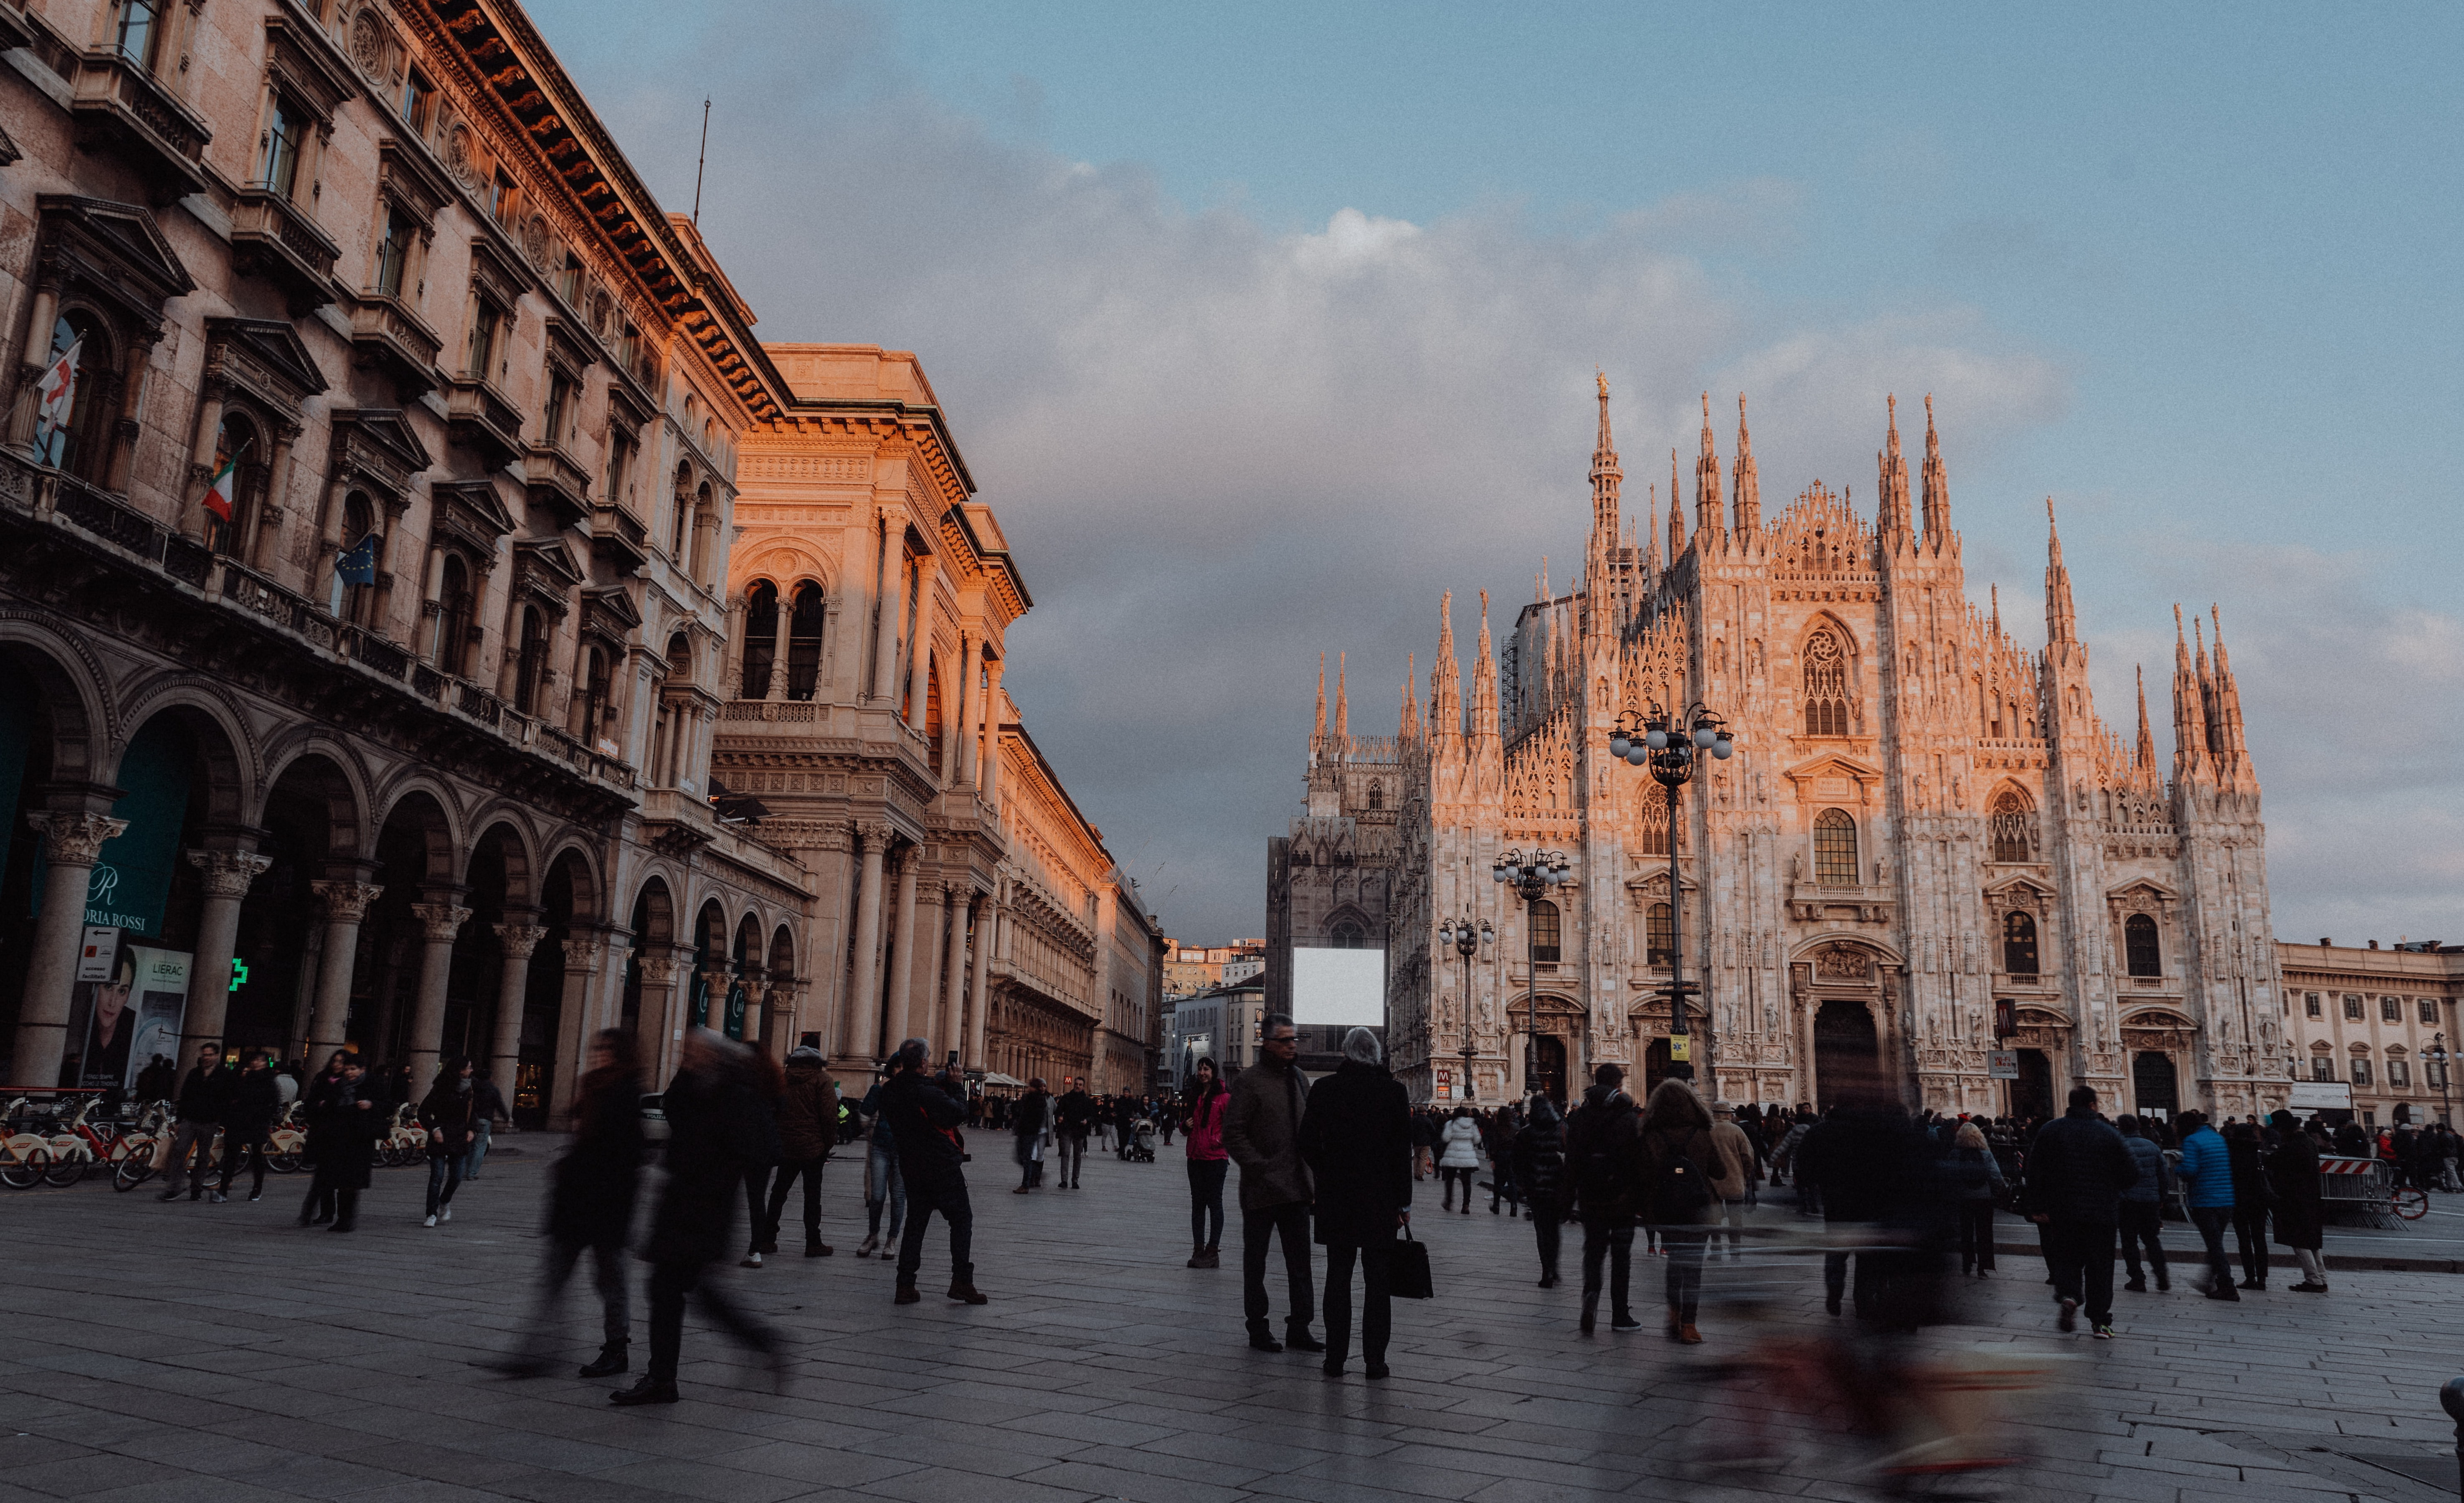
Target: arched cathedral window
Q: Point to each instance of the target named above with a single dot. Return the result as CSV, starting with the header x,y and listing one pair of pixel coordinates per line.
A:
x,y
1658,935
2013,825
1543,933
2140,950
1834,849
1826,685
1376,794
2019,944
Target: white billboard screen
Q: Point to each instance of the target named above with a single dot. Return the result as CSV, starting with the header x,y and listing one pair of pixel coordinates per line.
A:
x,y
1339,988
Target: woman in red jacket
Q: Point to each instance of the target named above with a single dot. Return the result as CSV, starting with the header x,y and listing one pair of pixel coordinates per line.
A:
x,y
1208,1164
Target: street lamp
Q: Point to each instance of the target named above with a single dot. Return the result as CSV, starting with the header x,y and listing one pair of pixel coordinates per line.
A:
x,y
1529,878
1467,940
2437,1057
1673,748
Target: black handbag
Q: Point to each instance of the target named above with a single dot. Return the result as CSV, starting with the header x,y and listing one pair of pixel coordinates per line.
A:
x,y
1407,1269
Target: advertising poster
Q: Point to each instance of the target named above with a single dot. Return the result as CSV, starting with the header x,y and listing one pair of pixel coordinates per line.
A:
x,y
123,1023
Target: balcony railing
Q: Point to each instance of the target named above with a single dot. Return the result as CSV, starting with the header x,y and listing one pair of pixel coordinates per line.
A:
x,y
482,421
387,337
788,712
557,483
274,238
120,107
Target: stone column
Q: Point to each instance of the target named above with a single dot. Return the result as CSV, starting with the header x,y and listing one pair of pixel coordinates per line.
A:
x,y
863,1011
947,1035
991,784
977,998
962,725
439,922
777,687
71,842
582,957
226,875
779,1006
650,1024
890,599
520,940
919,677
346,907
902,979
752,983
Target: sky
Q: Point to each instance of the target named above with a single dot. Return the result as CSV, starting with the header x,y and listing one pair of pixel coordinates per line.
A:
x,y
1262,326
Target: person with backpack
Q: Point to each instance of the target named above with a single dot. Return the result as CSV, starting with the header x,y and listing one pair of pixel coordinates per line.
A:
x,y
1973,1181
2143,1207
1540,1169
1599,1151
924,1114
1685,1172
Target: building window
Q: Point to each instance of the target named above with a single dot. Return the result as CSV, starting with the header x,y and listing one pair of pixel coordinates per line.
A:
x,y
2321,1068
279,170
418,101
358,521
2013,825
479,357
74,434
1348,935
1658,935
2399,1074
393,252
559,408
1543,933
140,22
804,621
2019,944
2310,1007
620,454
2352,1007
761,639
2141,952
501,198
2430,1010
2362,1073
590,697
530,667
2390,1009
1834,849
238,459
453,608
1826,685
1376,794
568,281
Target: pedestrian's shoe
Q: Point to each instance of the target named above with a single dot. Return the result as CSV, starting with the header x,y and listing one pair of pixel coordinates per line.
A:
x,y
1547,1281
2068,1319
253,1196
344,1226
2305,1287
815,1247
650,1391
1212,1258
445,1213
752,1259
1466,1208
610,1360
907,1295
2254,1283
1374,1370
871,1245
1021,1190
1624,1320
2164,1282
1687,1335
770,1246
966,1293
2137,1286
431,1221
1298,1339
2102,1333
1831,1305
1262,1340
1332,1367
1590,1312
2224,1291
218,1197
1196,1258
173,1194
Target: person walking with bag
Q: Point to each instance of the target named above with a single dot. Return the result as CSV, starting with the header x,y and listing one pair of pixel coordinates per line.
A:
x,y
447,1111
1030,1124
1262,1129
1540,1169
883,1187
1357,1138
1685,1175
808,1125
590,1206
1208,1164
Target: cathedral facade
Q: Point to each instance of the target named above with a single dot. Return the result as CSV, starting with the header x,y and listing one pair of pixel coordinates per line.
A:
x,y
1929,847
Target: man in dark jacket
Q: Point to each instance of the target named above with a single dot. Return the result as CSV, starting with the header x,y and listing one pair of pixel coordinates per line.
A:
x,y
590,1205
1074,1115
1357,1138
354,1119
203,1095
1600,1156
1262,1134
1540,1169
924,1115
712,1134
247,1117
808,1125
2298,1209
2076,1172
2142,1208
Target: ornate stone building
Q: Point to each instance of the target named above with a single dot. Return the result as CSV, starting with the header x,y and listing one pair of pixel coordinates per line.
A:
x,y
959,894
1330,879
1928,837
2381,1021
372,433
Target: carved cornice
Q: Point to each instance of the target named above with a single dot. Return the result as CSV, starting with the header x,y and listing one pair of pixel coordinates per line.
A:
x,y
518,939
584,954
346,901
440,921
73,840
228,874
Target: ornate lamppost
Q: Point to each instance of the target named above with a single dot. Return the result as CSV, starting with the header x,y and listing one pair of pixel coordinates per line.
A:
x,y
1529,878
2435,1055
1673,748
1467,939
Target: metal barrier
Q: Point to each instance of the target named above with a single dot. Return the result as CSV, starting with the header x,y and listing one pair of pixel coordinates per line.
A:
x,y
2357,1188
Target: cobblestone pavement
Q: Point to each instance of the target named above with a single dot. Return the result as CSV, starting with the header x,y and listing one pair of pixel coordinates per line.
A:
x,y
206,1353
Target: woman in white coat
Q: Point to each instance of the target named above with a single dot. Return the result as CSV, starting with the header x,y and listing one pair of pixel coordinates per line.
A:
x,y
1459,1155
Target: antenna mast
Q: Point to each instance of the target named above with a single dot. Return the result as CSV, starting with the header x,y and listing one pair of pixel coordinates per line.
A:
x,y
702,161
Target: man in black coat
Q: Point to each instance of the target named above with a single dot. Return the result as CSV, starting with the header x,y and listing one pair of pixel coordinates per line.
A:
x,y
924,1118
1356,1139
203,1095
1540,1169
1600,1156
352,1120
1074,1115
711,1135
248,1116
590,1205
2077,1171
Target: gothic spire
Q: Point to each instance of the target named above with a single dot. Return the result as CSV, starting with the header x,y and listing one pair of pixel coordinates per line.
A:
x,y
1606,478
1484,690
1993,593
2190,724
1676,514
2143,760
1407,724
1891,518
1937,486
2206,695
1750,484
1651,541
1342,706
1445,683
2229,744
2061,623
1707,518
1319,734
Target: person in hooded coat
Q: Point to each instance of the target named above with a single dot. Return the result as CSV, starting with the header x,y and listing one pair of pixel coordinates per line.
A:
x,y
2297,1210
448,1112
1540,1169
713,1133
1684,1173
590,1205
808,1125
1600,1159
1357,1138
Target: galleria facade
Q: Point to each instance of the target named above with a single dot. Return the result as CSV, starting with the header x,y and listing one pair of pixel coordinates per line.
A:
x,y
1928,846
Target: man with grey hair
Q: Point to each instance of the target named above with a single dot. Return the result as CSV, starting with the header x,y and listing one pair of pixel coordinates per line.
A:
x,y
1262,1132
1356,1136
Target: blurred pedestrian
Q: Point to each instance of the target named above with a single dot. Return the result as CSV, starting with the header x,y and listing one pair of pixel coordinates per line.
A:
x,y
1357,1138
808,1124
355,1118
1975,1183
1262,1134
924,1115
1540,1169
2206,1171
884,1188
2143,1207
1686,1172
1601,1154
2300,1211
2077,1171
767,1084
447,1111
1737,1147
714,1132
1030,1124
488,1108
1208,1164
590,1206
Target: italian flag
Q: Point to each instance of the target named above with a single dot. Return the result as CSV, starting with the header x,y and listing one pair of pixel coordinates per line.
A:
x,y
57,391
222,488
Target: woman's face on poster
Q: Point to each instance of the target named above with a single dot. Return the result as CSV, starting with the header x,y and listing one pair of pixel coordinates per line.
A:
x,y
110,1001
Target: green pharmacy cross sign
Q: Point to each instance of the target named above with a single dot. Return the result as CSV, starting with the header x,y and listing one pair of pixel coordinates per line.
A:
x,y
239,973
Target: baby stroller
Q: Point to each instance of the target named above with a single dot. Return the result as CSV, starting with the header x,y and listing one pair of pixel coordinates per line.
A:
x,y
1142,1143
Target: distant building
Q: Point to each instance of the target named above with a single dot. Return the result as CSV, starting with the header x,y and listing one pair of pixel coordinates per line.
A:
x,y
2369,1017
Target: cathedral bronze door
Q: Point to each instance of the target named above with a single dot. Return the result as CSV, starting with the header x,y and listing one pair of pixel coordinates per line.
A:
x,y
1847,1053
2154,1085
2032,1095
1549,1067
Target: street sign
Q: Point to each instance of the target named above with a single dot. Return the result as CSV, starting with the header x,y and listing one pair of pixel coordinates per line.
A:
x,y
2321,1096
95,957
2002,1064
1681,1049
1445,1085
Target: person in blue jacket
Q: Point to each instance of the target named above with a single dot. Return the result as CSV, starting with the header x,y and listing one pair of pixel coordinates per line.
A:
x,y
2206,1172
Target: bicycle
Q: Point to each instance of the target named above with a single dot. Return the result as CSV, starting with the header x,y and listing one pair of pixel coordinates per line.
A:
x,y
24,1155
145,1144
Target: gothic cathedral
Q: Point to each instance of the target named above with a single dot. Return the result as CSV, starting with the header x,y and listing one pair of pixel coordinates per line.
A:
x,y
1927,847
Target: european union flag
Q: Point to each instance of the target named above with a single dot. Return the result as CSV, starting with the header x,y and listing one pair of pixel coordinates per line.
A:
x,y
359,565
